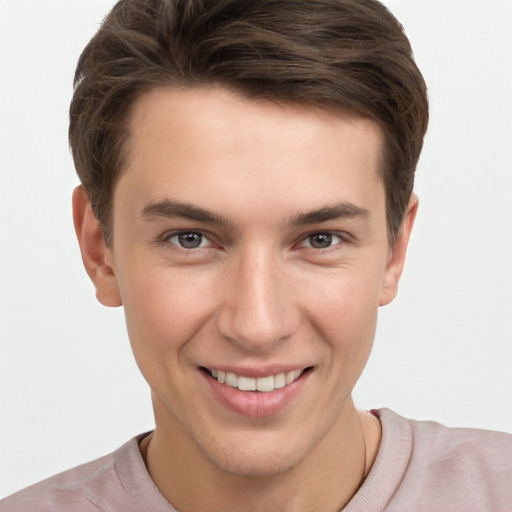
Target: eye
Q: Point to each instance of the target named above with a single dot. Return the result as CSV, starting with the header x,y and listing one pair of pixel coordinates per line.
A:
x,y
321,240
188,240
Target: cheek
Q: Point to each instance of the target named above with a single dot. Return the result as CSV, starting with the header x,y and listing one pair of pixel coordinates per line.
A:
x,y
346,311
163,313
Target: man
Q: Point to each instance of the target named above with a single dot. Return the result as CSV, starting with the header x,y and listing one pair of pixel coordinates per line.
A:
x,y
247,172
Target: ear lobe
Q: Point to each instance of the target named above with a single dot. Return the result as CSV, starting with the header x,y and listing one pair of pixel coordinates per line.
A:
x,y
97,257
398,252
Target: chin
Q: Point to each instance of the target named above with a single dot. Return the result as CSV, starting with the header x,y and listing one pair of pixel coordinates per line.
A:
x,y
256,467
266,458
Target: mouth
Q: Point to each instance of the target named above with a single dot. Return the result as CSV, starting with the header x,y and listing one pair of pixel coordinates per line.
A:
x,y
265,384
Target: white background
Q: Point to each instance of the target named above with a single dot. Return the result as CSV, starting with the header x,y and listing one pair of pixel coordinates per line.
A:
x,y
69,389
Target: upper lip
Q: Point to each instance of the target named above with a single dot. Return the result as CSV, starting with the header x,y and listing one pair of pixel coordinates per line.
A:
x,y
257,372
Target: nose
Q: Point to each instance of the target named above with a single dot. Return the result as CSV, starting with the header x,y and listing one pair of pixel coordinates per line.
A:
x,y
259,307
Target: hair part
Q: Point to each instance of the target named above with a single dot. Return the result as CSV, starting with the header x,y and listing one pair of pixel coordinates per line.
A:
x,y
352,54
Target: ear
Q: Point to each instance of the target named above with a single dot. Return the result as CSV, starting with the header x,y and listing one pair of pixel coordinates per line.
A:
x,y
397,254
97,257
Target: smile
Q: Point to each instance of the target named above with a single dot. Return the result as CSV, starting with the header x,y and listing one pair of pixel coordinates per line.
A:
x,y
262,384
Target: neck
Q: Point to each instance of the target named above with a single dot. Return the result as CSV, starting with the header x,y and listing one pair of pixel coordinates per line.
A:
x,y
324,479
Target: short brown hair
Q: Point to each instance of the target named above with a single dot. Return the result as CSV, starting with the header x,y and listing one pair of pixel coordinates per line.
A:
x,y
328,53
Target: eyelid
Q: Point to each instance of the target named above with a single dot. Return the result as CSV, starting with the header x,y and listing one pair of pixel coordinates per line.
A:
x,y
167,235
343,236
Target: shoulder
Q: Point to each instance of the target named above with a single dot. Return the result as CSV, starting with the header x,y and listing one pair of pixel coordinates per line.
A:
x,y
465,454
65,491
469,469
85,488
462,447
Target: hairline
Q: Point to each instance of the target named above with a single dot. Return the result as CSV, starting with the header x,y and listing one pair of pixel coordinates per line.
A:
x,y
331,109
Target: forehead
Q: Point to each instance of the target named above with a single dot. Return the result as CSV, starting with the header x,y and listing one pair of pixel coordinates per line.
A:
x,y
224,114
211,145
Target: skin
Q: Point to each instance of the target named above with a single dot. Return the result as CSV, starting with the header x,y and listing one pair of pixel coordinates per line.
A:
x,y
258,294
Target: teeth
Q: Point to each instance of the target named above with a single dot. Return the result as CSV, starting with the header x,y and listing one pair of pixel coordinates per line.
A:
x,y
291,376
231,380
279,381
246,384
263,384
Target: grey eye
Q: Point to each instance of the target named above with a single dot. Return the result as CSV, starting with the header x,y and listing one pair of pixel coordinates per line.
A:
x,y
320,240
188,240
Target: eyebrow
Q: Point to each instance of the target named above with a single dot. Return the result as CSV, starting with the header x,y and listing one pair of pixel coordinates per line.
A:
x,y
334,212
168,209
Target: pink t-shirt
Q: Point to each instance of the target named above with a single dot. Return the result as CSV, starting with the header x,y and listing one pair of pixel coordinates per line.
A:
x,y
421,466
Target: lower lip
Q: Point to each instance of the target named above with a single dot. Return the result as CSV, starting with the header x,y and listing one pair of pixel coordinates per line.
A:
x,y
255,404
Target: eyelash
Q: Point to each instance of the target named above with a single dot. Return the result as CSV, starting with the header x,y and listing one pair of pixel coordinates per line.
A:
x,y
343,238
165,240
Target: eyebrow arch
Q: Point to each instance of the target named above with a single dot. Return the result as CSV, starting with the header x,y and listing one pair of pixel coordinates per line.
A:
x,y
334,212
168,209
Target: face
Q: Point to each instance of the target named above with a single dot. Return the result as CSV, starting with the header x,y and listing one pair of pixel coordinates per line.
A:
x,y
250,253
